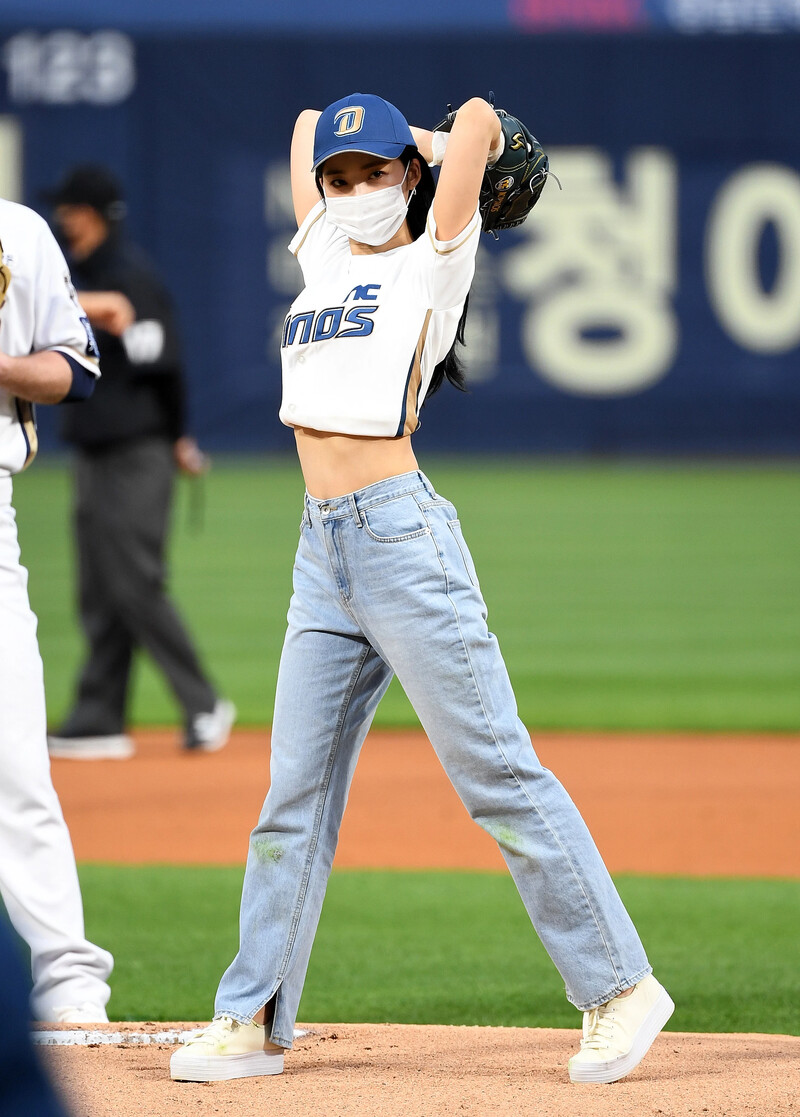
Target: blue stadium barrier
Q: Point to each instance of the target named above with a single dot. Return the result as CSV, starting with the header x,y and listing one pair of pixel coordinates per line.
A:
x,y
651,306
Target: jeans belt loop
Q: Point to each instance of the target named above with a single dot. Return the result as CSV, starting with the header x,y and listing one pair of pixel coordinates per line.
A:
x,y
354,510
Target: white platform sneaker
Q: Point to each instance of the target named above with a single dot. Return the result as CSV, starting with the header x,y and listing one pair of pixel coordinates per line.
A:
x,y
618,1035
226,1049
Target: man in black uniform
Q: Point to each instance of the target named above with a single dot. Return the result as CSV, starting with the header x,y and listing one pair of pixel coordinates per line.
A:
x,y
129,439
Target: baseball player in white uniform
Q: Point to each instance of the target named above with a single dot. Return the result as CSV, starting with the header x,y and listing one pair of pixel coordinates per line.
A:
x,y
47,355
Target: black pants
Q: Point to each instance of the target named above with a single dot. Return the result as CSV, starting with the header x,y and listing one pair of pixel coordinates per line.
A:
x,y
123,499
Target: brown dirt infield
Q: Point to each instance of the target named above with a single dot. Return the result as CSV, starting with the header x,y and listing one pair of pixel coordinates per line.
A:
x,y
675,804
394,1070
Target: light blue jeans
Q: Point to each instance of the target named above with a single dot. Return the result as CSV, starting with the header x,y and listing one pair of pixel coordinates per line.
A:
x,y
383,584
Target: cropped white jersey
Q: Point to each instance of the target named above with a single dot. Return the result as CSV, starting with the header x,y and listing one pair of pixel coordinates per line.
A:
x,y
362,339
38,310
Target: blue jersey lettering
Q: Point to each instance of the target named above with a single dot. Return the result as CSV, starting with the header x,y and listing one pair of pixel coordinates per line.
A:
x,y
306,318
329,323
361,320
363,292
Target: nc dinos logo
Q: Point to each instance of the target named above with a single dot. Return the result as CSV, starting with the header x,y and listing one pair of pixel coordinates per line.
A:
x,y
349,120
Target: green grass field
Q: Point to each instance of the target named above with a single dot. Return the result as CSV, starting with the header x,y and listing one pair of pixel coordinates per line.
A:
x,y
636,596
448,948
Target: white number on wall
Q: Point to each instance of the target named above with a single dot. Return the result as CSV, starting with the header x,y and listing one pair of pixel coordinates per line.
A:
x,y
67,67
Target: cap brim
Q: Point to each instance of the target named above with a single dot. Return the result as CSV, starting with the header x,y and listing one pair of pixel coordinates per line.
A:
x,y
382,151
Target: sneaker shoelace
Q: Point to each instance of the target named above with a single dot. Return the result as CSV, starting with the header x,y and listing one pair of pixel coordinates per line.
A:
x,y
214,1029
598,1028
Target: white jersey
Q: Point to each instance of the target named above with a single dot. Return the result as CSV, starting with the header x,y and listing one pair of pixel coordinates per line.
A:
x,y
38,310
362,339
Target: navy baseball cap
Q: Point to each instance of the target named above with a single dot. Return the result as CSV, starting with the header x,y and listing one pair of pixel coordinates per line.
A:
x,y
361,122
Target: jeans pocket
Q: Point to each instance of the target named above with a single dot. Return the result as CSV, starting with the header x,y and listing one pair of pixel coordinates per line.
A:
x,y
469,565
395,521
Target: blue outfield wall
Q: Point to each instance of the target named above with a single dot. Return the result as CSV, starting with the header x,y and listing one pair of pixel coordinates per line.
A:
x,y
652,305
656,16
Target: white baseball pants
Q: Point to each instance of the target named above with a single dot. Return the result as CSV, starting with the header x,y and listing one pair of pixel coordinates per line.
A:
x,y
38,879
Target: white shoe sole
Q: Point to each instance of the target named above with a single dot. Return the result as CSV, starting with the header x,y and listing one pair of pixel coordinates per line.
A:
x,y
186,1067
615,1069
221,738
78,748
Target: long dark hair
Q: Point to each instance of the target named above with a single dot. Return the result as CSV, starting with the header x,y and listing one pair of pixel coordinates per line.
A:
x,y
450,368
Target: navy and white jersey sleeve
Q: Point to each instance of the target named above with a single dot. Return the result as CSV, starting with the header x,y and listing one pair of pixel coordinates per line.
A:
x,y
318,244
449,265
39,311
59,321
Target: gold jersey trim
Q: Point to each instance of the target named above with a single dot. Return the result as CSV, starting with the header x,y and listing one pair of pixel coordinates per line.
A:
x,y
308,230
5,277
447,251
90,363
27,421
415,380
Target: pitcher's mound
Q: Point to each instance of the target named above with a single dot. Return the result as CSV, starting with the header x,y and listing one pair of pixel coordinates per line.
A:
x,y
394,1070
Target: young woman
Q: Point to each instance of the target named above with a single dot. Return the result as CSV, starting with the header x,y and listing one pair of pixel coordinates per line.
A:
x,y
384,584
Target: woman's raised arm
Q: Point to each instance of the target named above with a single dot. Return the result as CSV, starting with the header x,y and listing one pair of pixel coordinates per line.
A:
x,y
304,188
475,131
423,139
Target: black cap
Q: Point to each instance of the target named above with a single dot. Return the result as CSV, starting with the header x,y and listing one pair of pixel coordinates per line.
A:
x,y
89,185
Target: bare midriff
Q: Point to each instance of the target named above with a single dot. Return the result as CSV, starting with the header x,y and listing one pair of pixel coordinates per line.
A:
x,y
337,464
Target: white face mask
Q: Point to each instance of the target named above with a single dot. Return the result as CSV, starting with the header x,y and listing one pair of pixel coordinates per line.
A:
x,y
371,218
